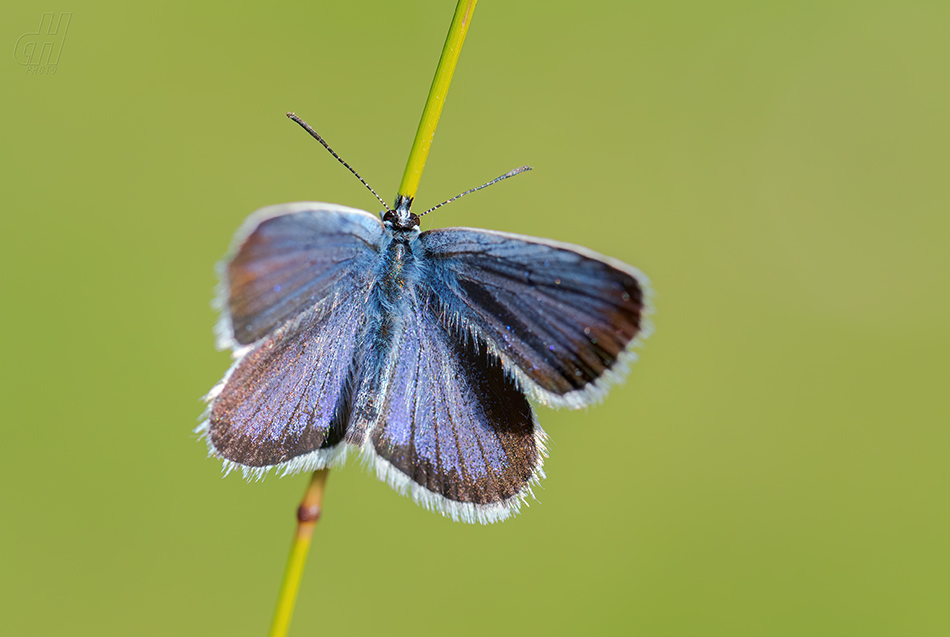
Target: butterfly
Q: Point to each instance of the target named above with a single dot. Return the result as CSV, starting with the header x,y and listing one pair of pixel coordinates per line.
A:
x,y
420,349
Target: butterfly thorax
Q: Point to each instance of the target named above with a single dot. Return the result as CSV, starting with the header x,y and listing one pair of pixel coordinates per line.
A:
x,y
392,298
398,267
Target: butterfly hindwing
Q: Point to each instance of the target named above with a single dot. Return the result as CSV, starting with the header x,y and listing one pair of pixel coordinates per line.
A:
x,y
453,429
563,317
288,397
300,280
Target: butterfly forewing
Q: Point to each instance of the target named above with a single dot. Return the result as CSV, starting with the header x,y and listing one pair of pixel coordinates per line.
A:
x,y
289,257
563,316
299,282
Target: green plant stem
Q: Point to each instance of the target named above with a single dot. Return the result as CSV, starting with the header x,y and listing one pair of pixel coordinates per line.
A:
x,y
436,100
308,514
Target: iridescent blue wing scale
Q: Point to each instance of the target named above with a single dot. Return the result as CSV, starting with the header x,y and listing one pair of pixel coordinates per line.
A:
x,y
454,431
298,283
564,319
287,258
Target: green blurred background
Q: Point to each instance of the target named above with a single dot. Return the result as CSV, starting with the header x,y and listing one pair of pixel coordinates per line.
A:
x,y
776,464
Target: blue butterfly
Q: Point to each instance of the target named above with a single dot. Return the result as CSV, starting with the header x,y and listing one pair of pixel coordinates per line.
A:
x,y
420,349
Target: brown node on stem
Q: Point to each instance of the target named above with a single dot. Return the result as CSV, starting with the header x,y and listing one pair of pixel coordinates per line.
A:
x,y
308,513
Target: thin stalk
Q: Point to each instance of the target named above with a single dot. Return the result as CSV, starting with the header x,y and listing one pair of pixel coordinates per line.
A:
x,y
308,514
436,100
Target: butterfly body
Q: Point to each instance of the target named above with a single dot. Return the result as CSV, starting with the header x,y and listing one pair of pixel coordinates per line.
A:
x,y
419,349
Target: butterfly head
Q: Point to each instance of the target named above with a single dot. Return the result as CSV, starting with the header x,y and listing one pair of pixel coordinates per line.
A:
x,y
401,218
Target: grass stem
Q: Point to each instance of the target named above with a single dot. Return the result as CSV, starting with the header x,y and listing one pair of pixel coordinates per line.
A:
x,y
308,514
436,100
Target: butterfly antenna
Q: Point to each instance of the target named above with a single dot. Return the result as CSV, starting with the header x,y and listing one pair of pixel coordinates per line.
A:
x,y
510,173
317,137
